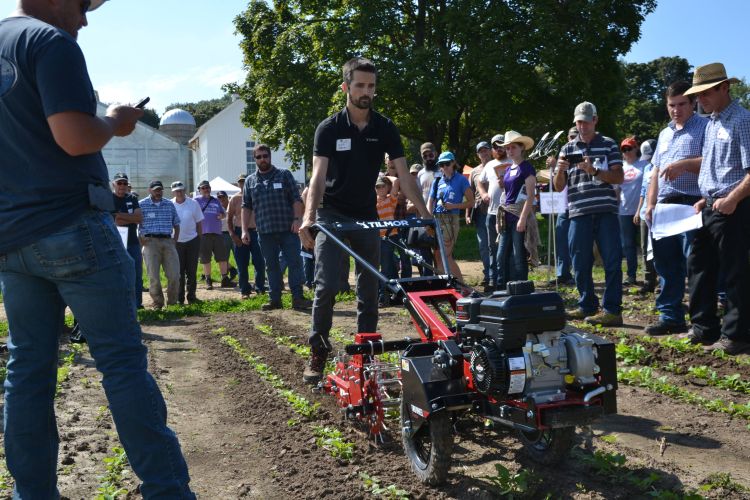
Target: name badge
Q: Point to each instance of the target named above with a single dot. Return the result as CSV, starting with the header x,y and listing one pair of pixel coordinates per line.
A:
x,y
277,185
722,134
343,144
151,215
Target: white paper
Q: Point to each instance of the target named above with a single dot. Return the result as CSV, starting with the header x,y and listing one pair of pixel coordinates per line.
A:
x,y
672,219
123,230
556,203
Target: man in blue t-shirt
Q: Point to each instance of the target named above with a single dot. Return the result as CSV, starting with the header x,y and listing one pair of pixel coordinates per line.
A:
x,y
59,245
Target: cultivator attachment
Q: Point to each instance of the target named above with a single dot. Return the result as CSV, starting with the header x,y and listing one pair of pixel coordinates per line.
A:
x,y
366,380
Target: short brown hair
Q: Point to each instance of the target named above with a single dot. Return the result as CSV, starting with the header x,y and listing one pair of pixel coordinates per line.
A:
x,y
679,88
261,147
357,64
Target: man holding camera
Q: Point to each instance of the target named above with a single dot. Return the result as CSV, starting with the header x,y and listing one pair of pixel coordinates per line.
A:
x,y
589,166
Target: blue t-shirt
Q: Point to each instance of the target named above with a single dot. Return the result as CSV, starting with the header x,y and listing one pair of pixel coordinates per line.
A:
x,y
448,191
42,72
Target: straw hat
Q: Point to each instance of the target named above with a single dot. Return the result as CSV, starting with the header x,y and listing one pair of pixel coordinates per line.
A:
x,y
709,76
512,136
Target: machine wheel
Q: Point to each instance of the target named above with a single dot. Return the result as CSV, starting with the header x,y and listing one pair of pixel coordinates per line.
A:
x,y
547,446
429,449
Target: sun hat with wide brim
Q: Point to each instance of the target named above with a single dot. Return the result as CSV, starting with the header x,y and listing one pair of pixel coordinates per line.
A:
x,y
709,76
512,136
95,4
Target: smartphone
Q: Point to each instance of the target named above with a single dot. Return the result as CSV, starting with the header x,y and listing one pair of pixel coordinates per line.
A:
x,y
142,103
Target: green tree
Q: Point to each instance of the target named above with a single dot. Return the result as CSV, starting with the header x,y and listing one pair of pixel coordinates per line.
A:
x,y
150,117
644,112
741,91
203,111
451,72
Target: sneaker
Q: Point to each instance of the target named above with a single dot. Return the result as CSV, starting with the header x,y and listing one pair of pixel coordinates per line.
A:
x,y
576,313
209,284
665,328
315,366
560,281
226,282
270,306
604,318
696,338
301,303
729,346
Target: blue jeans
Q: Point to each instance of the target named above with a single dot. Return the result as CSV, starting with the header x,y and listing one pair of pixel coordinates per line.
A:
x,y
629,247
496,272
135,253
512,255
562,227
670,262
480,223
242,254
85,266
288,244
602,228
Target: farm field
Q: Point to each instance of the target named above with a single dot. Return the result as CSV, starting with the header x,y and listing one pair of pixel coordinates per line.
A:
x,y
250,428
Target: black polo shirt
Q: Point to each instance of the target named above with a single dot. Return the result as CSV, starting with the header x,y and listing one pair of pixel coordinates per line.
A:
x,y
127,205
354,161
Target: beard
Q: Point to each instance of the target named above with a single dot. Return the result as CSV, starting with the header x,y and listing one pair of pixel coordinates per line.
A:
x,y
431,165
264,167
364,102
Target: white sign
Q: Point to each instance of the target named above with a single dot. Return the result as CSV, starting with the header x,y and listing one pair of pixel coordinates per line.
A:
x,y
553,203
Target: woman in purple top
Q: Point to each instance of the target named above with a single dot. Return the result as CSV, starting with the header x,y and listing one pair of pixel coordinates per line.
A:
x,y
519,183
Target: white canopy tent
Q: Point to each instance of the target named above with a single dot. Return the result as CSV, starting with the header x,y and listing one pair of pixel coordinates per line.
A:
x,y
219,184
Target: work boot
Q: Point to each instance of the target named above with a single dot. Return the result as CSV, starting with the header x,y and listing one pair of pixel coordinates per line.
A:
x,y
301,303
209,284
696,337
226,282
315,366
665,328
729,346
575,313
604,318
270,306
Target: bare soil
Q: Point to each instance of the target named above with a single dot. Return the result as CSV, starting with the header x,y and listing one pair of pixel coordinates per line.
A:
x,y
242,440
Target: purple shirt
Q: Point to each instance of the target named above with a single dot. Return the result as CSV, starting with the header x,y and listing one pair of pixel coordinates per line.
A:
x,y
514,180
211,208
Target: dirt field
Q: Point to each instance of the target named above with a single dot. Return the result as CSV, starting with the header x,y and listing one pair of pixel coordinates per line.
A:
x,y
243,439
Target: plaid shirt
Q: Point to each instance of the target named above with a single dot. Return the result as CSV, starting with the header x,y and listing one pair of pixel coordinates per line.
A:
x,y
586,194
158,218
726,151
272,196
674,145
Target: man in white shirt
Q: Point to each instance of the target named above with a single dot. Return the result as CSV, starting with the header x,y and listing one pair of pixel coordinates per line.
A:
x,y
189,241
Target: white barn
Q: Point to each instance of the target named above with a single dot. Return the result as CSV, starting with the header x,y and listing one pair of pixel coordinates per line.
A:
x,y
145,155
223,146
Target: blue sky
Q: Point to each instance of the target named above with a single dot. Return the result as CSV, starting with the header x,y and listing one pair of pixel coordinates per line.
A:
x,y
184,50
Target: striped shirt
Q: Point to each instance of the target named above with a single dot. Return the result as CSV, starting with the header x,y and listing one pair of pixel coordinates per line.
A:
x,y
158,218
726,151
678,144
272,196
386,210
586,194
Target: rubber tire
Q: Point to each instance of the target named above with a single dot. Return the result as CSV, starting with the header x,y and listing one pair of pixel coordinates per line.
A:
x,y
433,469
547,447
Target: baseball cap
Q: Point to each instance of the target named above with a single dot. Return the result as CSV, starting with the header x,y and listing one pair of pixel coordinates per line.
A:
x,y
204,183
155,184
647,149
221,194
427,146
95,4
498,138
584,112
573,132
120,176
178,186
241,177
380,181
415,168
630,141
445,157
483,144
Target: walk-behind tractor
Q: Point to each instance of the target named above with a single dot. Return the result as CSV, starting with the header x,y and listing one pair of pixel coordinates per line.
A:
x,y
506,357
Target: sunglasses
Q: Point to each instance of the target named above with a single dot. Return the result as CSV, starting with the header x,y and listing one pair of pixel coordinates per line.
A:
x,y
626,149
260,157
157,189
497,146
122,183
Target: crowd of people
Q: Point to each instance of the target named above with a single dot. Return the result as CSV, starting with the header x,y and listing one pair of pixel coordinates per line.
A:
x,y
59,241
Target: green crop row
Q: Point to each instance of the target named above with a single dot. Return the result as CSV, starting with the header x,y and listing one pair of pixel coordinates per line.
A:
x,y
63,371
110,487
331,440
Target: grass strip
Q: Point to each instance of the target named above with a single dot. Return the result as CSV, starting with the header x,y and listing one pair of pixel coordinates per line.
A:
x,y
299,404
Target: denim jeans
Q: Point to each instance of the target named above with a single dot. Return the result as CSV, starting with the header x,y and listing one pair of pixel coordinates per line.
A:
x,y
670,262
602,228
135,253
629,245
85,266
328,263
242,255
286,243
496,272
562,227
648,264
512,255
480,224
187,252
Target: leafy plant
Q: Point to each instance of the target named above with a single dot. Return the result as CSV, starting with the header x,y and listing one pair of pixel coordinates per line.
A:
x,y
723,481
330,439
634,354
512,485
110,486
390,492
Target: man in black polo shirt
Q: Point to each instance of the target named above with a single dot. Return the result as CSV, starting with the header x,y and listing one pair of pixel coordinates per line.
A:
x,y
347,157
128,214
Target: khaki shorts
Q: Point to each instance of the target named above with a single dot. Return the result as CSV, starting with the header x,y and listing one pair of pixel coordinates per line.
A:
x,y
449,225
212,243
